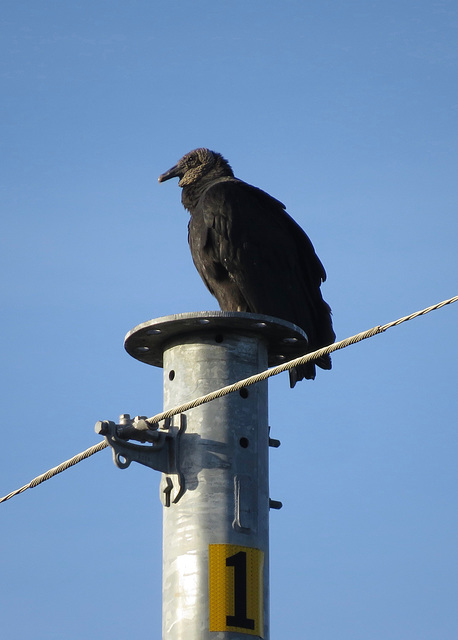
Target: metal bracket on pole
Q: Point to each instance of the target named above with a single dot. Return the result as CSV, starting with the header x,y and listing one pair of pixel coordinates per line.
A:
x,y
162,454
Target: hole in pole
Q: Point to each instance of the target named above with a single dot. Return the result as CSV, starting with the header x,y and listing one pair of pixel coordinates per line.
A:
x,y
244,392
244,442
171,374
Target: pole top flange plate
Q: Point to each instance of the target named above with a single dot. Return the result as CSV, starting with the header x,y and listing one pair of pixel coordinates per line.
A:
x,y
148,340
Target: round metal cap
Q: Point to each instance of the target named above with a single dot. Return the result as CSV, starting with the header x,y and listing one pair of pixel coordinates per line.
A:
x,y
147,341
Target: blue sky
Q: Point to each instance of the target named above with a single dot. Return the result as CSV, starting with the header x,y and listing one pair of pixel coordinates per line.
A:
x,y
347,113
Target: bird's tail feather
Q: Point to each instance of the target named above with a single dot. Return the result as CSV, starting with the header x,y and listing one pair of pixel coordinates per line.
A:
x,y
308,370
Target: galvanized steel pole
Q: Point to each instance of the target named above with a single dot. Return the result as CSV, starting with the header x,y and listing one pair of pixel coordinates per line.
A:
x,y
216,504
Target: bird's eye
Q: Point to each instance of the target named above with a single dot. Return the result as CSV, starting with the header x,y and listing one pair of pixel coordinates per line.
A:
x,y
193,162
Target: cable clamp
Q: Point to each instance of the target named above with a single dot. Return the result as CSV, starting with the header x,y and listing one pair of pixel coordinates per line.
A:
x,y
162,451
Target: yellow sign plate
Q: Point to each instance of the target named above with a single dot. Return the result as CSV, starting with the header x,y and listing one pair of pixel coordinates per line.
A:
x,y
236,589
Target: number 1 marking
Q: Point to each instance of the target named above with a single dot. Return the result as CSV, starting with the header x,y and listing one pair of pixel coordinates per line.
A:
x,y
236,589
238,561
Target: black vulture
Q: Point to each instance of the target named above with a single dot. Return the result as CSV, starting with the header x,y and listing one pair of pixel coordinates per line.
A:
x,y
250,253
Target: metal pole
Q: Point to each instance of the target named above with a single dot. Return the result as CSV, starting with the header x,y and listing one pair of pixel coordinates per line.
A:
x,y
216,505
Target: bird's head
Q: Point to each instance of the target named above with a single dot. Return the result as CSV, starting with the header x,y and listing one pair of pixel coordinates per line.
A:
x,y
195,165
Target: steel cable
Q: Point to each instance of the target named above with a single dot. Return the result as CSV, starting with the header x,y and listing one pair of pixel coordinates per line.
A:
x,y
219,393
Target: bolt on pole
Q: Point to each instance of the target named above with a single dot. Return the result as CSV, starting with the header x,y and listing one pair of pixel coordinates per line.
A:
x,y
215,471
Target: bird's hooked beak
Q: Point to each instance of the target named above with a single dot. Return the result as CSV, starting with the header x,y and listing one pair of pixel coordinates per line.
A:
x,y
174,172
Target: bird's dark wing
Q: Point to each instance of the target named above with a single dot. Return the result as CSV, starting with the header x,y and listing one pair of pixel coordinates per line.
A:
x,y
241,232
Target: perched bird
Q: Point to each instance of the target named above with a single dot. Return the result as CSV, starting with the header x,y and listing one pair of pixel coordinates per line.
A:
x,y
250,253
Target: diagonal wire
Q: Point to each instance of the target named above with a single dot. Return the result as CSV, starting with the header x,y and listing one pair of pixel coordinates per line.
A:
x,y
61,467
314,355
219,393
